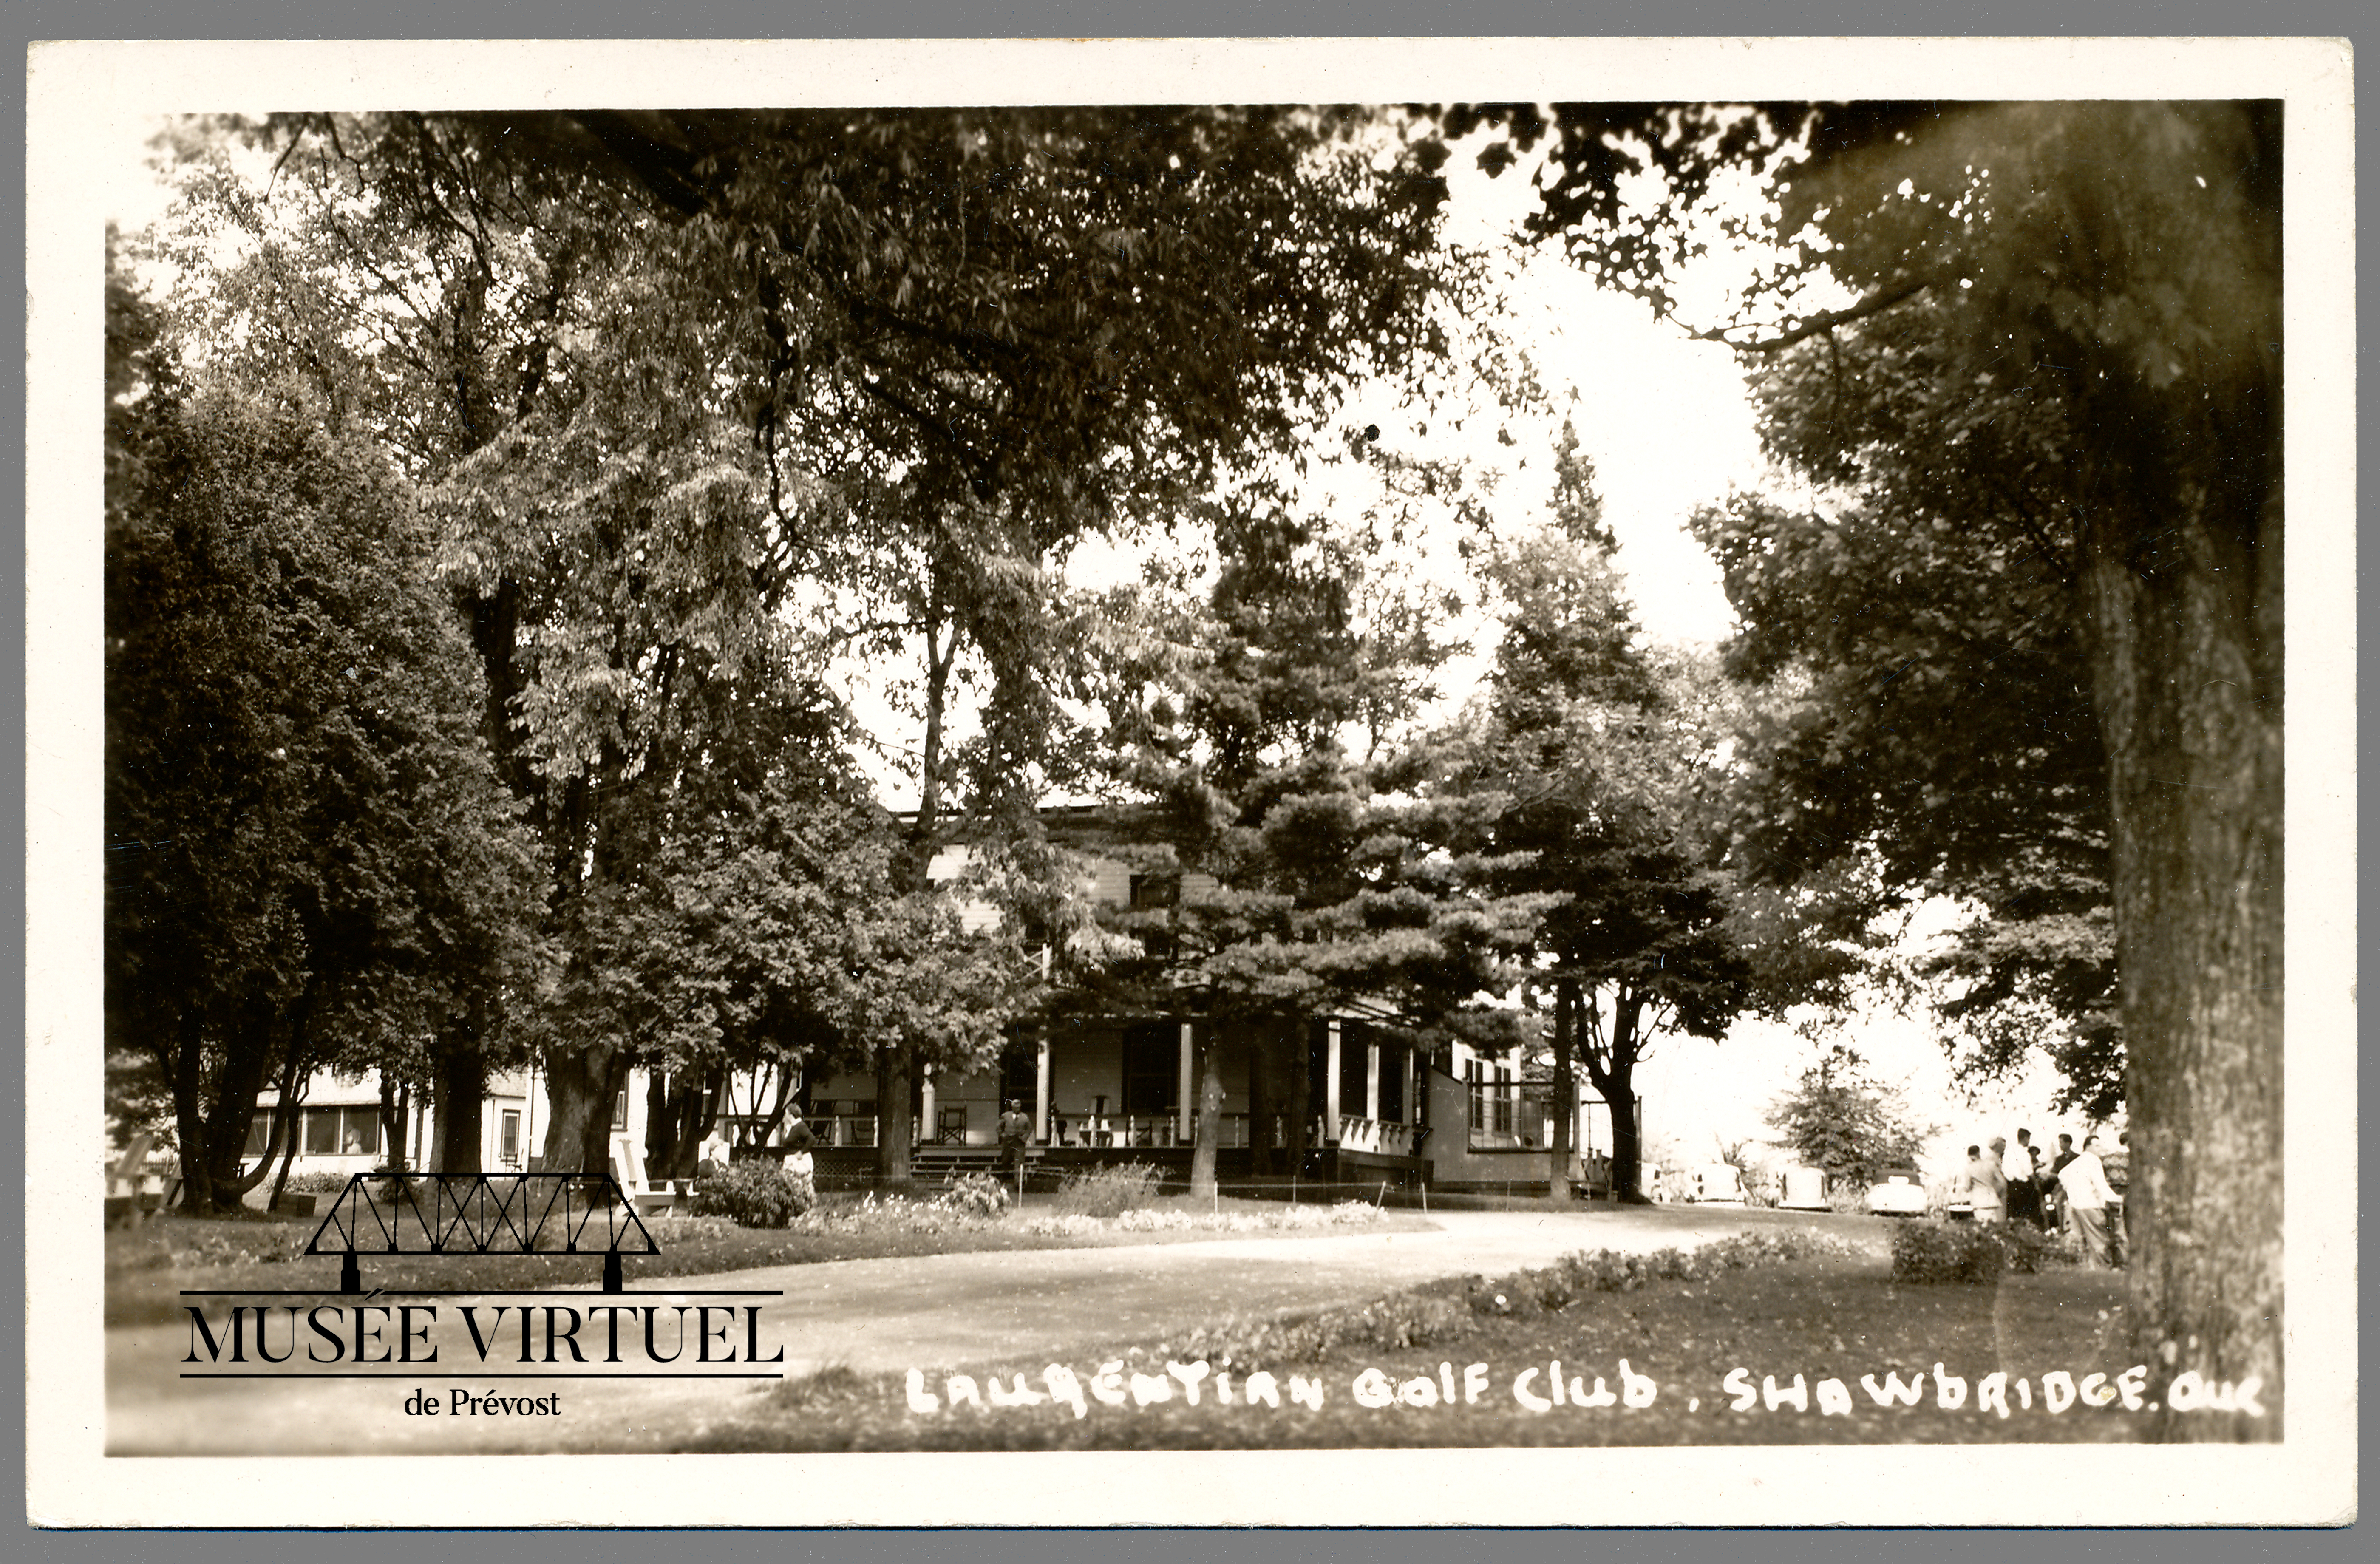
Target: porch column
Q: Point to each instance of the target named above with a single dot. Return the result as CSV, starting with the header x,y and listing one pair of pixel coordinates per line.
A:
x,y
923,1133
1372,1079
1330,1085
1041,1090
1182,1098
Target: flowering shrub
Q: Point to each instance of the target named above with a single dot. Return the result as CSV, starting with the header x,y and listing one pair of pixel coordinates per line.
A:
x,y
1107,1191
1403,1319
674,1228
878,1214
1347,1213
754,1194
976,1194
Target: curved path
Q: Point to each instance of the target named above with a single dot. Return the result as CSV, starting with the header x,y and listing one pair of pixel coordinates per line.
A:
x,y
935,1312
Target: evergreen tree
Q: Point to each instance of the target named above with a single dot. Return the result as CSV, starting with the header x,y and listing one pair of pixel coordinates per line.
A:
x,y
1309,881
1605,757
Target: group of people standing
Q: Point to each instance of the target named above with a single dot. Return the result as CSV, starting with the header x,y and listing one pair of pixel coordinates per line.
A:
x,y
2073,1191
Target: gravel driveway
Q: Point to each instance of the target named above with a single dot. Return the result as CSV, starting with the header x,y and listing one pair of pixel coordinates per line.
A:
x,y
942,1311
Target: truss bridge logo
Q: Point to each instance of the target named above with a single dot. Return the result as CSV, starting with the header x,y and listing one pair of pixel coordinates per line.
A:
x,y
539,1222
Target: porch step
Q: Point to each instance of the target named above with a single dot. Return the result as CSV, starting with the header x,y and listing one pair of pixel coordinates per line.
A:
x,y
940,1164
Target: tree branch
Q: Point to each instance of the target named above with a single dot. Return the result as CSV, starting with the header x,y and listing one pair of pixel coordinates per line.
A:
x,y
1825,321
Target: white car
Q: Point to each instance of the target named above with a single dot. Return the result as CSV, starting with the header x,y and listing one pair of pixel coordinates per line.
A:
x,y
1900,1193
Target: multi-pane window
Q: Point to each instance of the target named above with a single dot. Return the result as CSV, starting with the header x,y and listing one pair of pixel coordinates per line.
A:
x,y
508,1139
1493,1094
323,1132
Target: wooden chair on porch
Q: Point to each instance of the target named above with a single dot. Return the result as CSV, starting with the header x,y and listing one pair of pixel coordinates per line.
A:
x,y
950,1125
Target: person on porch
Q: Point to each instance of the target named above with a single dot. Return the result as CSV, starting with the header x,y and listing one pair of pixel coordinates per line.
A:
x,y
1016,1130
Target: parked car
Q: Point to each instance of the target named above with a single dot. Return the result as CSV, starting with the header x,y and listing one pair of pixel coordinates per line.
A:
x,y
1719,1184
1901,1193
1805,1190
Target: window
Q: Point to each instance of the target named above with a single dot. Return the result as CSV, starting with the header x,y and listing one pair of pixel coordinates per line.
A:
x,y
508,1139
620,1112
321,1131
1494,1101
1155,890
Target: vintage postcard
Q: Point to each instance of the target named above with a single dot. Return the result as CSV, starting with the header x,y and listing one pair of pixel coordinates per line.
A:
x,y
1527,782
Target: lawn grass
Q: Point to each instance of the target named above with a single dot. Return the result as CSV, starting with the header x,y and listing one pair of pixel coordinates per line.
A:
x,y
149,1267
1831,1317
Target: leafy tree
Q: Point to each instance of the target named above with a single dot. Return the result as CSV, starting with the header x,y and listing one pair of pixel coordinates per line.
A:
x,y
2116,266
1838,1120
1926,725
309,861
685,373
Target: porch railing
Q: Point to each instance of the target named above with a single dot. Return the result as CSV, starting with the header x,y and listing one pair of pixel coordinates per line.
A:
x,y
1384,1138
1128,1130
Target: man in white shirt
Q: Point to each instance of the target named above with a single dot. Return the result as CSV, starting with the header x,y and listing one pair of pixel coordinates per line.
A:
x,y
2084,1181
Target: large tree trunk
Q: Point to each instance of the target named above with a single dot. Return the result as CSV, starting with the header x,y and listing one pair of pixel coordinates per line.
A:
x,y
577,1092
396,1116
1206,1124
674,1125
1563,1112
249,1048
189,1128
287,1116
2186,637
1613,1078
462,1092
895,1070
1298,1050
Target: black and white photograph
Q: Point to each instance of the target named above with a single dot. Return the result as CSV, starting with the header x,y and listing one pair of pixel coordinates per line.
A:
x,y
1513,782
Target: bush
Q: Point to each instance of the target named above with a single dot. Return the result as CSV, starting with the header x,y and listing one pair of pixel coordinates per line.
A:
x,y
1931,1253
882,1215
313,1183
1107,1191
976,1194
2027,1247
1606,1270
754,1194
